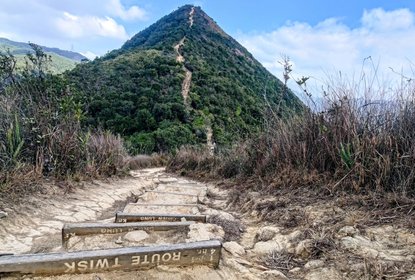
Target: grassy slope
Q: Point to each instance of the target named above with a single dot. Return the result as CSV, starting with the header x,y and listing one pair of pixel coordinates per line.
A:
x,y
58,65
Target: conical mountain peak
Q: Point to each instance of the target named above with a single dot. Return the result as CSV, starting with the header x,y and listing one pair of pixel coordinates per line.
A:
x,y
184,21
182,80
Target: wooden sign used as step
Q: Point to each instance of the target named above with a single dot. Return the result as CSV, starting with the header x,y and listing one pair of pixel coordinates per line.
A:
x,y
172,193
165,204
81,229
128,218
132,258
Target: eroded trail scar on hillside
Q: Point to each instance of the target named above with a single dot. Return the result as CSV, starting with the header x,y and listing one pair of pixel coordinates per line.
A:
x,y
192,12
188,79
180,58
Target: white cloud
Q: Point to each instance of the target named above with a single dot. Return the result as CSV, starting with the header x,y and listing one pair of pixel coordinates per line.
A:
x,y
115,8
85,26
79,25
331,46
379,19
90,55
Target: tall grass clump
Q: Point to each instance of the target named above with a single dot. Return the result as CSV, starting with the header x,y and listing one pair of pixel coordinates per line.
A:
x,y
361,141
40,130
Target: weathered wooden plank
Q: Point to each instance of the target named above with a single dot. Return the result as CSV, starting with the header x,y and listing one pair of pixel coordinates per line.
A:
x,y
166,204
173,193
132,258
184,186
80,229
128,218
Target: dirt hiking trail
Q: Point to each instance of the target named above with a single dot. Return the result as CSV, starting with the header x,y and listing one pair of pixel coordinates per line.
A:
x,y
299,244
187,81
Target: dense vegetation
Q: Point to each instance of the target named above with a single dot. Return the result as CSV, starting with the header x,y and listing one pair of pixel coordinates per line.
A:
x,y
136,90
40,130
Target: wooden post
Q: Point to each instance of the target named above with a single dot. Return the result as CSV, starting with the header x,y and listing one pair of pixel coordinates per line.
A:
x,y
132,258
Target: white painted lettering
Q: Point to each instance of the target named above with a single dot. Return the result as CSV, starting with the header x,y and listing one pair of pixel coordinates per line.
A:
x,y
116,264
70,267
177,256
82,265
135,260
145,261
166,257
155,258
102,263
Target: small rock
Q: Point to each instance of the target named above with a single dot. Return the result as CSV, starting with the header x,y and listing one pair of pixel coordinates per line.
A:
x,y
294,236
119,241
264,248
136,236
201,232
314,264
183,219
297,269
303,248
221,214
273,275
232,263
3,214
266,233
324,273
348,231
234,248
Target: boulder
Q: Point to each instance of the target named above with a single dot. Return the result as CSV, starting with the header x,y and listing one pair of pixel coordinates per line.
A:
x,y
273,275
201,232
314,264
266,233
234,248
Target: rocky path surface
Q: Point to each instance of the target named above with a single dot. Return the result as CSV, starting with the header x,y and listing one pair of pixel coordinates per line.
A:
x,y
36,226
297,244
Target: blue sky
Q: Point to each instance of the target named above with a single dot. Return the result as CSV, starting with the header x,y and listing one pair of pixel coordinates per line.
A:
x,y
319,36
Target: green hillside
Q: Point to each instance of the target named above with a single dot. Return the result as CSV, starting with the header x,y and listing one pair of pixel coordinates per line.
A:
x,y
176,81
61,60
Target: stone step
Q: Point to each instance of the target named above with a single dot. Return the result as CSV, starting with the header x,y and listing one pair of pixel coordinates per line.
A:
x,y
170,197
131,258
172,193
82,229
141,217
180,189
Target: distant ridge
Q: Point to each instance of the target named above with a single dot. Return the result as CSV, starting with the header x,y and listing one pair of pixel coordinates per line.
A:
x,y
20,48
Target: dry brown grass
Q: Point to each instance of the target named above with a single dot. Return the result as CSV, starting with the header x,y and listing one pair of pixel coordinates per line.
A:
x,y
281,260
357,144
145,161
